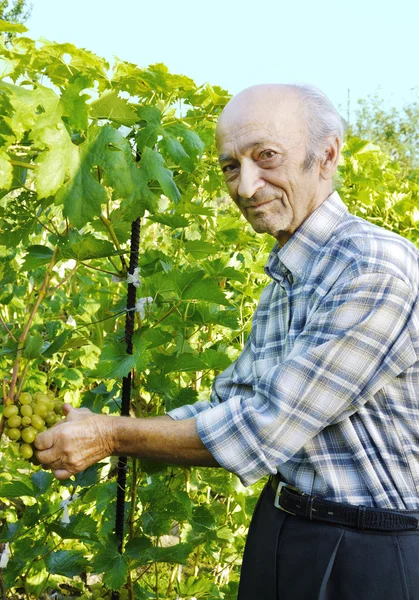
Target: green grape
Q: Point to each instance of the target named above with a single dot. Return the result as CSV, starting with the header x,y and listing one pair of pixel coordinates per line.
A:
x,y
58,407
14,421
25,398
41,409
26,451
50,395
29,434
26,421
40,396
51,418
26,410
37,422
14,433
10,411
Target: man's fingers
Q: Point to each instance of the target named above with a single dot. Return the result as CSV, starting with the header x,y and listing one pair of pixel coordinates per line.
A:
x,y
62,474
66,409
74,413
44,440
46,457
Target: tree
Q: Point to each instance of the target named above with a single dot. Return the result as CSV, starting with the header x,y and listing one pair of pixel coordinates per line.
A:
x,y
396,132
15,11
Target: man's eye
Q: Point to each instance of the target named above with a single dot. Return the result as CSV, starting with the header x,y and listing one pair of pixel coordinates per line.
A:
x,y
229,169
267,154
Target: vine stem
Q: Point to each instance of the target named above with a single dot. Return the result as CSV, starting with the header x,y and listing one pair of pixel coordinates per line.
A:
x,y
109,227
97,269
18,163
41,294
2,586
7,329
132,519
22,378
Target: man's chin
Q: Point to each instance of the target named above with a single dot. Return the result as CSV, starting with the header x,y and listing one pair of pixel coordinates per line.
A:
x,y
261,226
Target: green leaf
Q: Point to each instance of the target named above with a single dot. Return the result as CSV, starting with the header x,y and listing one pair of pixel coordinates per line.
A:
x,y
214,359
68,534
75,109
195,285
68,376
6,171
37,256
16,489
33,346
55,163
110,106
173,221
9,27
69,563
42,481
205,289
182,362
143,552
114,362
153,168
57,344
84,247
200,249
112,564
150,119
89,476
104,159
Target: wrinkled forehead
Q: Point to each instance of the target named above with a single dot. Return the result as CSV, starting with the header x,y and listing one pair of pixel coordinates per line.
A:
x,y
270,117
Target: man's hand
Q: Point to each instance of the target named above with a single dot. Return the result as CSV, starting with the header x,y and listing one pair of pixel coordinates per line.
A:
x,y
85,438
69,447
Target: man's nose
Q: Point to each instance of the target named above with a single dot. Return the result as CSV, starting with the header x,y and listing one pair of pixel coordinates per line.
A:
x,y
250,180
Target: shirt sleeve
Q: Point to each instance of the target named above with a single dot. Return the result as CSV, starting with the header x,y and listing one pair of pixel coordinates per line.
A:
x,y
355,341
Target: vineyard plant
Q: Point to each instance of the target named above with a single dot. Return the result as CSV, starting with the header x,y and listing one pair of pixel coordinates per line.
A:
x,y
85,150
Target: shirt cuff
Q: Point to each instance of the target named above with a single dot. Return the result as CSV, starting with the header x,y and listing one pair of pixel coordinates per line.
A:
x,y
227,435
189,410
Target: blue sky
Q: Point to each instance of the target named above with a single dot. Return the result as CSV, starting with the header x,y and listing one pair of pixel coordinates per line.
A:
x,y
365,46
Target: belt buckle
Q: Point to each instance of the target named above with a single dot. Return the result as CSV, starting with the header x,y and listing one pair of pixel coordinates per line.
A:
x,y
281,485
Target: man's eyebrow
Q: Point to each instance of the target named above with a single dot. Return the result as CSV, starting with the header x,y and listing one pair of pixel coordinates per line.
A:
x,y
249,146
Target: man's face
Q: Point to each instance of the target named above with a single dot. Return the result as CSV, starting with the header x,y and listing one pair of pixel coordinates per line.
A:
x,y
262,144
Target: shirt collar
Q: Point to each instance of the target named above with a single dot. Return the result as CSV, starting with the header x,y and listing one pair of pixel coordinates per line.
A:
x,y
299,252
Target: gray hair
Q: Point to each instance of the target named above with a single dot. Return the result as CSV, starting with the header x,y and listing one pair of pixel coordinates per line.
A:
x,y
323,121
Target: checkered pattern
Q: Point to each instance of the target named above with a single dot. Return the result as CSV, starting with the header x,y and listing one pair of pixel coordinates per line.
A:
x,y
326,390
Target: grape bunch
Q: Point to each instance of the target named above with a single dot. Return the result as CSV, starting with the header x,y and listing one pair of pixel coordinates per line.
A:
x,y
29,416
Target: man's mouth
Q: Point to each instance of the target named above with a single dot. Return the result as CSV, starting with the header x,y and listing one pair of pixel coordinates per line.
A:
x,y
258,204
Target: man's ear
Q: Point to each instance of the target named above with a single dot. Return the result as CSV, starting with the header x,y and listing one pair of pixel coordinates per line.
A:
x,y
330,159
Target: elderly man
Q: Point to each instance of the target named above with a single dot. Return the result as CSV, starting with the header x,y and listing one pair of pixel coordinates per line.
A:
x,y
324,396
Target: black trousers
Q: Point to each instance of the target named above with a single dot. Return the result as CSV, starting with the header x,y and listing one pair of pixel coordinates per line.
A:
x,y
290,558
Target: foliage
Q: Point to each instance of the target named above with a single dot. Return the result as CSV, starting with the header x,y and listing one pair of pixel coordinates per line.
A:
x,y
396,132
83,154
15,12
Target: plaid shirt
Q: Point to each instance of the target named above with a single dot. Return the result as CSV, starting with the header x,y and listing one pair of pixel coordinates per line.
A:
x,y
326,390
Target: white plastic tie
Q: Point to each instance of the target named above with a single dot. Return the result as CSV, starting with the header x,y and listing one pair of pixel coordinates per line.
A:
x,y
71,321
65,504
117,279
140,305
4,556
134,278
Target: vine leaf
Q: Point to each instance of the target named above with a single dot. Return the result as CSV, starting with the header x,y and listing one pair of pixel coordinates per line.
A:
x,y
111,563
66,562
111,106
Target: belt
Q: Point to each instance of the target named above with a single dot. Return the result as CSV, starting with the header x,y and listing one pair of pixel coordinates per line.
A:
x,y
297,503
